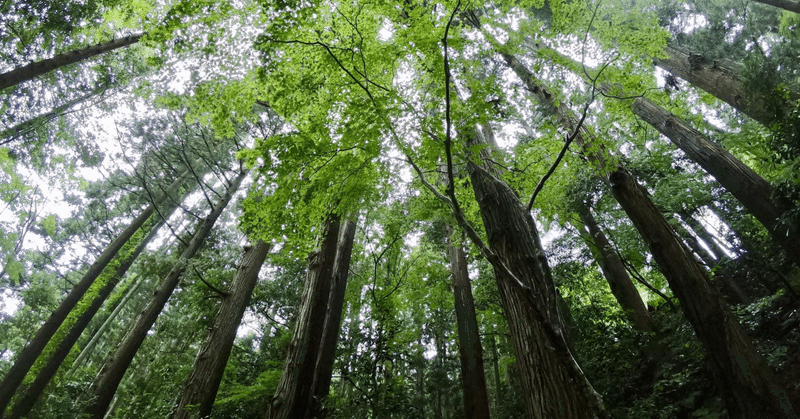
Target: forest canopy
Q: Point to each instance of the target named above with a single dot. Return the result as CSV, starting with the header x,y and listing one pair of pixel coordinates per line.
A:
x,y
292,209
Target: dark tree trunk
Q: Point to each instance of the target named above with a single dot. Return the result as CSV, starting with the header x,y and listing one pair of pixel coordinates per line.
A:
x,y
112,372
201,387
747,385
617,276
333,317
473,377
790,5
553,385
755,193
28,399
36,69
31,352
292,398
718,78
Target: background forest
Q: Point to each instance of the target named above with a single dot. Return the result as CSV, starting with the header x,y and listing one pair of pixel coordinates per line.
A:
x,y
368,209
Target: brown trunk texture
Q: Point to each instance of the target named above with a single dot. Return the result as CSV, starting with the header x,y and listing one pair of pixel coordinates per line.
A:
x,y
26,401
755,193
201,386
333,318
31,352
747,385
473,377
789,5
292,398
113,370
617,276
552,384
36,69
719,79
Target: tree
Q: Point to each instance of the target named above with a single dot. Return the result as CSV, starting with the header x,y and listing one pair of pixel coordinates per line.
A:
x,y
31,352
292,399
107,381
202,384
473,378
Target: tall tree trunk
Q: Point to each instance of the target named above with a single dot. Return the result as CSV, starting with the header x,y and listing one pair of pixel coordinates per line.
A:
x,y
720,79
553,385
617,276
292,398
112,372
473,377
11,134
333,317
27,400
498,390
202,385
746,383
36,69
31,352
755,193
790,5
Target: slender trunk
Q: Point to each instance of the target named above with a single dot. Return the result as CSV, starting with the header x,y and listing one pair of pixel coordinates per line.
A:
x,y
36,69
112,372
720,79
746,383
89,348
552,384
617,276
333,317
23,128
473,377
498,390
31,352
790,5
755,193
201,387
292,398
28,399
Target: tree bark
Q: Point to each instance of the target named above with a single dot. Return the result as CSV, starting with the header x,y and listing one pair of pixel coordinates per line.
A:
x,y
203,383
292,398
36,69
473,376
755,193
748,386
31,352
720,79
333,317
790,5
615,273
27,400
112,372
552,384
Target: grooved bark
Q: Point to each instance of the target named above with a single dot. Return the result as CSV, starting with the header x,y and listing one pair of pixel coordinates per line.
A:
x,y
105,385
719,79
552,384
333,316
473,377
202,385
747,385
31,352
27,400
614,271
36,69
292,398
755,193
